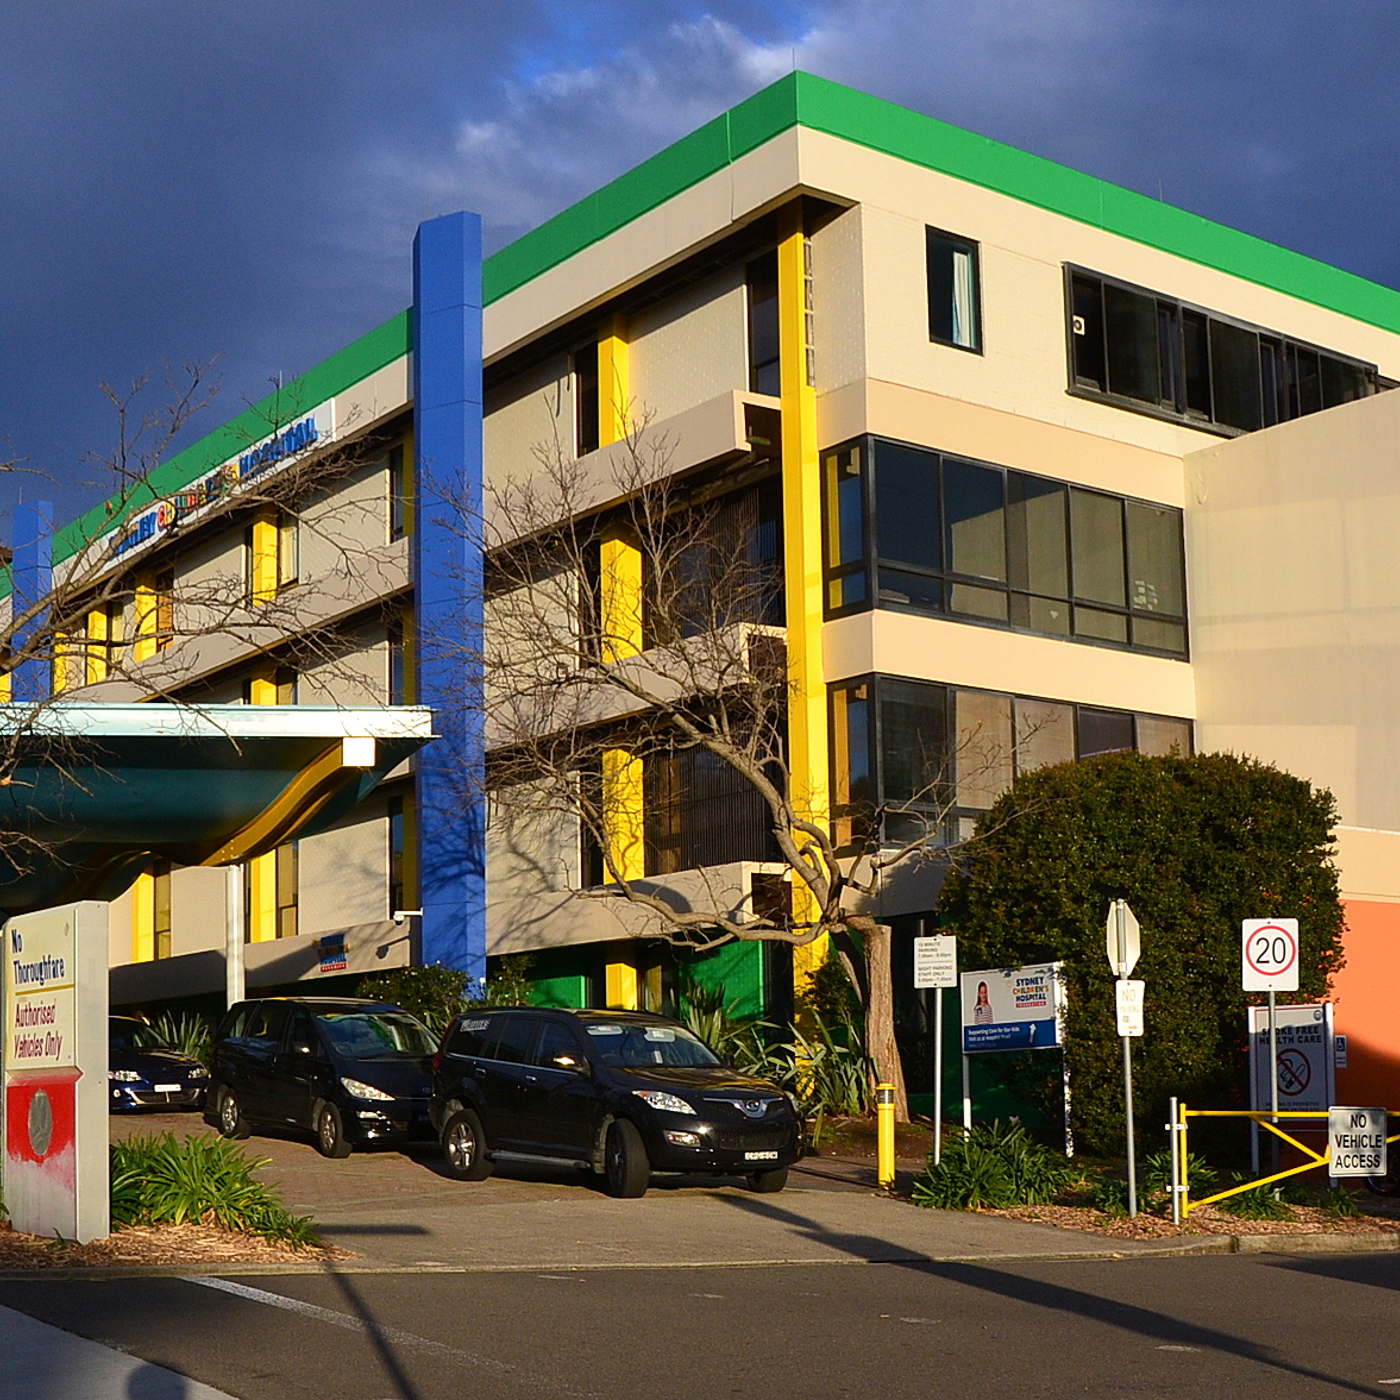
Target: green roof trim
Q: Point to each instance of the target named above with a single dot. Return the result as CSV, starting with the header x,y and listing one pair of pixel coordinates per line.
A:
x,y
357,361
802,99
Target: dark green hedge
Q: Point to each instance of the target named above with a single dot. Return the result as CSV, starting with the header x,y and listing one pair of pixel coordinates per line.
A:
x,y
1194,845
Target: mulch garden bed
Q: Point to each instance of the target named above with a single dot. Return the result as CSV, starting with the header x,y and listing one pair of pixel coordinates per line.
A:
x,y
1380,1217
154,1245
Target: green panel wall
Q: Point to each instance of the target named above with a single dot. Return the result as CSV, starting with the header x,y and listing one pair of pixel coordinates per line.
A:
x,y
738,969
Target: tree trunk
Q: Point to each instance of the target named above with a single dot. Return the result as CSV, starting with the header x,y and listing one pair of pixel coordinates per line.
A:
x,y
880,1040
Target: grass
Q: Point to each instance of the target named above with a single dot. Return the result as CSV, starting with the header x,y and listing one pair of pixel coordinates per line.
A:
x,y
164,1180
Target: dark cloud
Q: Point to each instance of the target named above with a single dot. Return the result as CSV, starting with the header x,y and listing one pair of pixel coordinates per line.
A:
x,y
244,177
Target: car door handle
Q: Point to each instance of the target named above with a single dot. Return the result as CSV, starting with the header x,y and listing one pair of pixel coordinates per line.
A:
x,y
532,1079
479,1072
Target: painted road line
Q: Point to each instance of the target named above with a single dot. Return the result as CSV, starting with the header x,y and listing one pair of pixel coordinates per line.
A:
x,y
46,1363
381,1333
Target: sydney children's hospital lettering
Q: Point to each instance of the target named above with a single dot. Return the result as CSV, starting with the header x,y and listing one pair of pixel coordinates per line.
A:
x,y
218,483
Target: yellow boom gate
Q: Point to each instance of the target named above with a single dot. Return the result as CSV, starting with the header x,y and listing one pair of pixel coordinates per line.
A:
x,y
1183,1205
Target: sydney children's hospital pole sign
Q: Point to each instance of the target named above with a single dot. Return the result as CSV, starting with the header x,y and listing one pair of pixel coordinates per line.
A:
x,y
56,1177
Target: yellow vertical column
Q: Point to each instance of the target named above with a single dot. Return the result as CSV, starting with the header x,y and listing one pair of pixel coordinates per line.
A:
x,y
620,605
262,566
802,558
143,918
99,640
262,870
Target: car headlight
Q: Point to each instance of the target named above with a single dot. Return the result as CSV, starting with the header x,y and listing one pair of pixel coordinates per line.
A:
x,y
796,1107
365,1091
125,1076
667,1103
199,1072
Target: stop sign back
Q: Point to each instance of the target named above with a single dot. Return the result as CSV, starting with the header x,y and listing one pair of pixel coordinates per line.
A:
x,y
1269,955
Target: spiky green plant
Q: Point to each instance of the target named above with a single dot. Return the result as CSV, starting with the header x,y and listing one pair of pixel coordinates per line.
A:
x,y
996,1165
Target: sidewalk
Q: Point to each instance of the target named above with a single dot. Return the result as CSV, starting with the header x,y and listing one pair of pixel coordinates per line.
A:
x,y
44,1363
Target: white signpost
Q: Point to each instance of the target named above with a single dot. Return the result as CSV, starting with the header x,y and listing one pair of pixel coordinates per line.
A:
x,y
1123,941
1269,963
935,968
1356,1138
55,1072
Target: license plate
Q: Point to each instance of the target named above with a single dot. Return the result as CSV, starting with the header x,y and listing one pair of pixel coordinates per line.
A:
x,y
760,1156
170,1088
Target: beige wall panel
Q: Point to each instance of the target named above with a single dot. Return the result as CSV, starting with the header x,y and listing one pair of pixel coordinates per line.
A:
x,y
337,527
529,421
689,348
385,392
994,435
1296,604
210,580
933,649
198,909
531,848
838,294
1369,863
1000,222
344,874
119,930
359,675
643,246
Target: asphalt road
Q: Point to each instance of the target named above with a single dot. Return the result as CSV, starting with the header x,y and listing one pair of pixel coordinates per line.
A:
x,y
1261,1326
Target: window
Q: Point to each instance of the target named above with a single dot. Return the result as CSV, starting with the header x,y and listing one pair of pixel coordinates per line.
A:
x,y
288,549
1150,352
586,424
553,1040
764,368
400,671
400,473
954,300
944,535
923,760
160,905
286,875
270,889
699,811
513,1038
401,894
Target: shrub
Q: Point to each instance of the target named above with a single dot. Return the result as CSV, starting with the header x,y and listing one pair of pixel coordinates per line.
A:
x,y
1260,1203
996,1165
1157,1175
189,1033
1110,1195
164,1180
1338,1202
1195,845
433,994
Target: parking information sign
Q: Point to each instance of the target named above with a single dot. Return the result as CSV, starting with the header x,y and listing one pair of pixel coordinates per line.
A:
x,y
1269,955
1306,1059
936,961
1356,1137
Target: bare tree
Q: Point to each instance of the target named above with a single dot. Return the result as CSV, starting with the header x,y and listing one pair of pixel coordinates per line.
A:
x,y
634,626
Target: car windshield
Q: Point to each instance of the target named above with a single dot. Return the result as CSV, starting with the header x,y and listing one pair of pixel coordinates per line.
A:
x,y
626,1046
364,1035
133,1035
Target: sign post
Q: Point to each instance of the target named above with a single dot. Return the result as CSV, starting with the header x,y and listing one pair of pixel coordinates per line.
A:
x,y
1124,943
1269,963
55,1072
936,967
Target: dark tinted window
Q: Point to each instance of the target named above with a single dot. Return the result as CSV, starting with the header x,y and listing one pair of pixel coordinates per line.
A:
x,y
1086,333
954,309
586,399
764,371
265,1023
303,1038
913,741
906,503
973,502
1234,376
470,1036
1104,731
123,1034
512,1042
555,1039
1131,321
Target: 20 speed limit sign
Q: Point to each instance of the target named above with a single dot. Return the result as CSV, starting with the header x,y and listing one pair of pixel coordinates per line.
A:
x,y
1269,955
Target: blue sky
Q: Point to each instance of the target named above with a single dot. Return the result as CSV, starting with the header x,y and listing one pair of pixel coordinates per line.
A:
x,y
185,179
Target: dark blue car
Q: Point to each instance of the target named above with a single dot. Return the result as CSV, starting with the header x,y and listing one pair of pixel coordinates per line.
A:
x,y
143,1071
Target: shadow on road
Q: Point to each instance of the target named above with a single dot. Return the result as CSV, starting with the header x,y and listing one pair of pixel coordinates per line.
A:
x,y
1054,1297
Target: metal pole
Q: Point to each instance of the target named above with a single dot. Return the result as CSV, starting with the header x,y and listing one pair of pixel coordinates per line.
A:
x,y
1128,1103
937,1075
1273,1072
234,980
967,1093
1173,1142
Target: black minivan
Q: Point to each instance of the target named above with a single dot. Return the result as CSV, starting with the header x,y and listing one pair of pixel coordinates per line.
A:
x,y
623,1093
350,1070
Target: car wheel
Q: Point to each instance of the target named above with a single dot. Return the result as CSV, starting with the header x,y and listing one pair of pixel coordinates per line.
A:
x,y
464,1147
626,1171
232,1123
330,1132
764,1182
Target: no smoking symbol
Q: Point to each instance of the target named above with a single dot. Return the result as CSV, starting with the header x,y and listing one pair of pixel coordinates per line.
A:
x,y
1294,1072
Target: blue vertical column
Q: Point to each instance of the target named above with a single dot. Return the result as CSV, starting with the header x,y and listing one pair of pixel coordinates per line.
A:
x,y
32,574
447,583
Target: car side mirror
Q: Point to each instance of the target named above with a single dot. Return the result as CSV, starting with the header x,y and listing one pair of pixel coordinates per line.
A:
x,y
572,1063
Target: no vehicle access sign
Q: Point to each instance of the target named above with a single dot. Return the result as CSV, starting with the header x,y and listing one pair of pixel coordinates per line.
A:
x,y
1269,955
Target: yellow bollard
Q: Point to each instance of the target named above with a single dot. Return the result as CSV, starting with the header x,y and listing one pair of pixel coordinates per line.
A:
x,y
884,1126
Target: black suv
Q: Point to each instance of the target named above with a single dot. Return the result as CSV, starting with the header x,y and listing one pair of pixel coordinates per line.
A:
x,y
623,1093
352,1071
